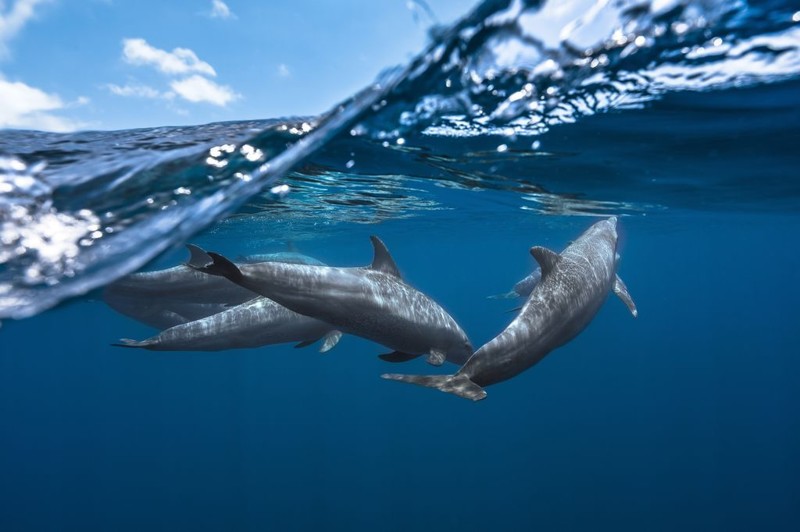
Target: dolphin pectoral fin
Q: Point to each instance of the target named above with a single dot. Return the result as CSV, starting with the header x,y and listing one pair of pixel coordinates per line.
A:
x,y
127,342
508,295
305,343
459,385
436,358
395,357
622,292
330,340
383,261
546,258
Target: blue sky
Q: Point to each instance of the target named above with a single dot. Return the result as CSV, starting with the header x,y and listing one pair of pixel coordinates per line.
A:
x,y
116,64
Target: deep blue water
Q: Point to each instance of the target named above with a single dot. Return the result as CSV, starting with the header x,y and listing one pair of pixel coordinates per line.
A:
x,y
685,418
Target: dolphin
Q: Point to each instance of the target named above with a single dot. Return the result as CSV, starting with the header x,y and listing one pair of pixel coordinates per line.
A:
x,y
524,287
254,323
170,297
372,302
289,257
574,285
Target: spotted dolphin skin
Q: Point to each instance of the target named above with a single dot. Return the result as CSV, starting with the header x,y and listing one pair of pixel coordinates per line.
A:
x,y
255,323
574,285
372,302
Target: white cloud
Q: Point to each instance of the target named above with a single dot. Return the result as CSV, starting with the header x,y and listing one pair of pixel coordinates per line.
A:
x,y
12,20
283,71
138,91
220,9
179,61
28,107
198,89
24,106
189,77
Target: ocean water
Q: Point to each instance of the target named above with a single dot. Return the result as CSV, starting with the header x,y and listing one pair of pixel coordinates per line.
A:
x,y
520,125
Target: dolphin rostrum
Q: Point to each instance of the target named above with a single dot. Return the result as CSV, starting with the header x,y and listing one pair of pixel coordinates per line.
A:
x,y
180,294
255,323
574,285
372,302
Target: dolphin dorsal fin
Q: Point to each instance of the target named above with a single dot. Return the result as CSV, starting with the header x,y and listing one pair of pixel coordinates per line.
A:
x,y
546,258
383,261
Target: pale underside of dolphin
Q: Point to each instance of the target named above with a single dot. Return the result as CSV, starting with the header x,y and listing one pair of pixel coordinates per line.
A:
x,y
170,297
255,323
372,302
574,285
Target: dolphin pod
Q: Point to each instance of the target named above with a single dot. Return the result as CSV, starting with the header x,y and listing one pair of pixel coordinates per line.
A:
x,y
199,312
178,295
574,285
305,301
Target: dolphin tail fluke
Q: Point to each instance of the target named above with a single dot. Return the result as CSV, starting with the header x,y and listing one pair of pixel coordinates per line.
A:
x,y
622,292
218,265
198,258
459,385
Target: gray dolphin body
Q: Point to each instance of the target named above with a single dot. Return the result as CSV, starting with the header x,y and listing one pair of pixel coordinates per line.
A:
x,y
255,323
574,285
524,287
170,297
371,302
289,257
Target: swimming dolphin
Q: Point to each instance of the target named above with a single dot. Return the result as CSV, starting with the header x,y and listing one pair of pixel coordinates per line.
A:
x,y
574,285
524,287
372,302
252,324
289,257
170,297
